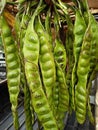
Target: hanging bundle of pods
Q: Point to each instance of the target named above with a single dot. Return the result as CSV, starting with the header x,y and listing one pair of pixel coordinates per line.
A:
x,y
54,73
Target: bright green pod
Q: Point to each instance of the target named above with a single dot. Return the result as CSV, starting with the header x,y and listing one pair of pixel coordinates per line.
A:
x,y
82,73
79,31
38,98
13,68
46,61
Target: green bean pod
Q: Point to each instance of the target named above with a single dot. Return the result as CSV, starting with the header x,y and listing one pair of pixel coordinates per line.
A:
x,y
60,58
46,61
82,73
79,34
69,55
93,62
38,98
79,31
63,91
63,102
70,63
27,105
13,68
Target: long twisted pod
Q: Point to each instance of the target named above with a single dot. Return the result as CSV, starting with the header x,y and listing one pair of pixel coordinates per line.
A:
x,y
61,91
70,60
60,59
13,68
63,105
46,61
82,73
60,56
79,31
29,115
69,51
31,54
64,97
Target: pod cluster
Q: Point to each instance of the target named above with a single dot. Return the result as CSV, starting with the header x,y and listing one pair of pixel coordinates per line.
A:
x,y
52,59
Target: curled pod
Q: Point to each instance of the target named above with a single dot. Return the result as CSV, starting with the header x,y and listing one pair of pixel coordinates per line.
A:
x,y
13,68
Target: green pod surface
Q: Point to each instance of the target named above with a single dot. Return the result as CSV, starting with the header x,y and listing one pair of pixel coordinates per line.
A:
x,y
60,58
48,28
82,73
60,54
79,31
89,85
63,90
56,97
89,111
38,98
94,43
23,28
13,68
21,1
27,105
46,61
28,113
93,62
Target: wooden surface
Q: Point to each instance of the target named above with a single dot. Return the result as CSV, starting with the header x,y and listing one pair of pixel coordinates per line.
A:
x,y
92,3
